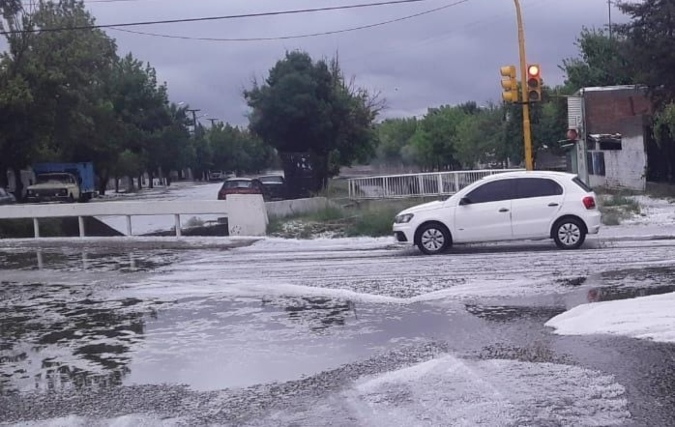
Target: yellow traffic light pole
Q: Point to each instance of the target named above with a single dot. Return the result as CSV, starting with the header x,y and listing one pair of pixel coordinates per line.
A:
x,y
527,133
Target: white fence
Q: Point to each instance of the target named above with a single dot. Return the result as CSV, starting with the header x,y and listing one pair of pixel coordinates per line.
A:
x,y
416,185
246,214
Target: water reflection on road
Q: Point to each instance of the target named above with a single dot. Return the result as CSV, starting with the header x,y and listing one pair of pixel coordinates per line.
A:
x,y
98,331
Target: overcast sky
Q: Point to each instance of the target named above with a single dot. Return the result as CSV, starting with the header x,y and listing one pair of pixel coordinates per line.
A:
x,y
446,57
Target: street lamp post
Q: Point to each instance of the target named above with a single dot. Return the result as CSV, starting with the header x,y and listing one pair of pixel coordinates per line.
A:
x,y
527,132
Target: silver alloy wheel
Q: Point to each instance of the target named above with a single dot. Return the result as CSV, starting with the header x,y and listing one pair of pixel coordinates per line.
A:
x,y
569,234
433,239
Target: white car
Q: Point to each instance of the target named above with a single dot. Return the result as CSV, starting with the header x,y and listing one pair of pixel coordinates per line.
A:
x,y
506,206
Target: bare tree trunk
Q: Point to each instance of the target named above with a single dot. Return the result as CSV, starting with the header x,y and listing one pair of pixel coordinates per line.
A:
x,y
104,177
18,186
4,182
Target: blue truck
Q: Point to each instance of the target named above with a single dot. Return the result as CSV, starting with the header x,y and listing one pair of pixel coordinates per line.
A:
x,y
67,182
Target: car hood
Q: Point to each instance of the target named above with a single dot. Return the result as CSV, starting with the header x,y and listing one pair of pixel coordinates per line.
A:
x,y
48,185
423,207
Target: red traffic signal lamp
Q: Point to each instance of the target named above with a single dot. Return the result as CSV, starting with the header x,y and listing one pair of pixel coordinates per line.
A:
x,y
534,83
509,84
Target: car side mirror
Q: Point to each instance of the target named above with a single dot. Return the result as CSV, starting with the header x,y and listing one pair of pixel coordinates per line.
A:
x,y
464,201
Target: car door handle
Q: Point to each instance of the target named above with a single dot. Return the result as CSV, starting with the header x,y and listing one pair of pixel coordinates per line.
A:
x,y
552,204
503,210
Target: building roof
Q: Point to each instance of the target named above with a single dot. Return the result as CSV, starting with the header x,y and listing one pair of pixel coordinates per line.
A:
x,y
609,88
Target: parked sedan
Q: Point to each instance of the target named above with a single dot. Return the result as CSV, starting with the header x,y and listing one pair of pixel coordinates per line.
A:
x,y
507,206
275,186
242,186
6,197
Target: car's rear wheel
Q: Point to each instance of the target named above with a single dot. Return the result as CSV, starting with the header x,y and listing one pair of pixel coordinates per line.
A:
x,y
433,238
569,233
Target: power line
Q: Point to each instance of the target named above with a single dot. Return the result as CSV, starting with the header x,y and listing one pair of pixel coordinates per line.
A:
x,y
533,4
218,18
297,36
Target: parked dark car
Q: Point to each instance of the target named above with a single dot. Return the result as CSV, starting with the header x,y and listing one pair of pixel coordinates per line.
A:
x,y
6,198
242,186
275,185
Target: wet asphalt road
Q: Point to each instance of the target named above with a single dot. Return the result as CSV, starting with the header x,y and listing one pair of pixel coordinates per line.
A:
x,y
323,333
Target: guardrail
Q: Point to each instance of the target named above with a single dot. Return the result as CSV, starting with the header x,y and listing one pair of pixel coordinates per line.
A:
x,y
416,185
246,214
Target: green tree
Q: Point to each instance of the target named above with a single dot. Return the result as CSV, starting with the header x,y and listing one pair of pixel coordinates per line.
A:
x,y
651,46
437,138
238,150
54,80
20,134
602,61
393,136
481,137
308,107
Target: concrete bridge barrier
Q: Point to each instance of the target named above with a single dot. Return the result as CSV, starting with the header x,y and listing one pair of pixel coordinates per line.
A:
x,y
246,214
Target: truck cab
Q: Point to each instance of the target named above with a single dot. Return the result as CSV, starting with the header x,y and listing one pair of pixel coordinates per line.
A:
x,y
49,187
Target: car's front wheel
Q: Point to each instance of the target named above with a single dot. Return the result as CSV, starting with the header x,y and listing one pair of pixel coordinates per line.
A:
x,y
433,238
569,233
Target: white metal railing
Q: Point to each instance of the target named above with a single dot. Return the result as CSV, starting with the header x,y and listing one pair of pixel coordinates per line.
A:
x,y
246,214
416,185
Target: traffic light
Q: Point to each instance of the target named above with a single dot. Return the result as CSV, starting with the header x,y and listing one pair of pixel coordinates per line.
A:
x,y
534,83
509,84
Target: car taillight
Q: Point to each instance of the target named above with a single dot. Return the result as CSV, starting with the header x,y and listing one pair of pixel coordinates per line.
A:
x,y
589,202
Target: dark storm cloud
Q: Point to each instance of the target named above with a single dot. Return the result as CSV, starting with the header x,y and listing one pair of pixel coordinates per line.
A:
x,y
447,57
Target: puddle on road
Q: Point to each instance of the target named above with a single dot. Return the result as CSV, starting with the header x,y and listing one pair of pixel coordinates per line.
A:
x,y
65,259
55,336
221,343
66,336
508,313
607,286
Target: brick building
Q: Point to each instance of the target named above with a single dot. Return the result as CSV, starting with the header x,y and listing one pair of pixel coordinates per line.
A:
x,y
615,122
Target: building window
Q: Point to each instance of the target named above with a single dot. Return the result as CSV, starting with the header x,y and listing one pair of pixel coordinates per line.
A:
x,y
602,141
596,163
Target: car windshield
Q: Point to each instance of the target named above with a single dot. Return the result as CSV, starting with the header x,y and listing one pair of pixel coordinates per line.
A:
x,y
272,180
54,178
238,184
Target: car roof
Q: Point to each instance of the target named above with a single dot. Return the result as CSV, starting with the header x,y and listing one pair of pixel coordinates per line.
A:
x,y
529,174
238,179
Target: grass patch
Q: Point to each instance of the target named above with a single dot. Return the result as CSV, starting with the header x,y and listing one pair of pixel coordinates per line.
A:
x,y
331,213
374,221
617,207
336,189
611,217
661,191
609,191
373,218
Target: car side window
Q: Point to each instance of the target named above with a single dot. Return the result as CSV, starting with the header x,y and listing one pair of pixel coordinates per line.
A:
x,y
495,191
537,187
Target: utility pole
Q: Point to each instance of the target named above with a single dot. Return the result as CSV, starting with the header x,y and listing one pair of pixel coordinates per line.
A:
x,y
194,119
527,131
213,121
609,11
